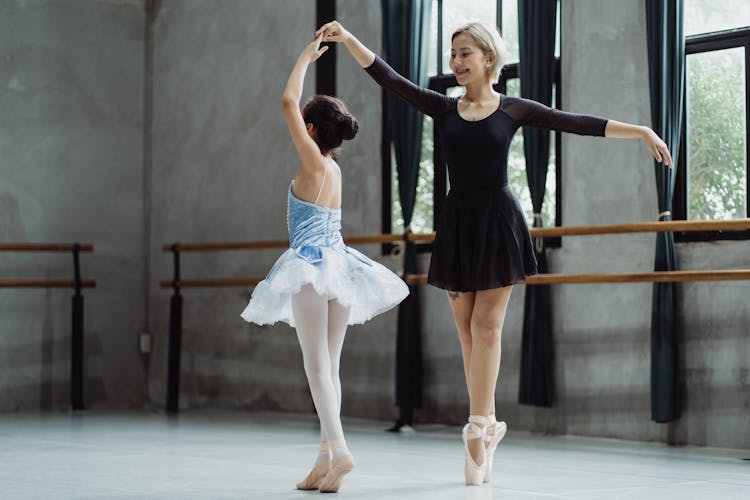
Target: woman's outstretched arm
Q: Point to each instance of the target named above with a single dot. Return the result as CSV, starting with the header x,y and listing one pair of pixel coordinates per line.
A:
x,y
308,150
535,114
653,142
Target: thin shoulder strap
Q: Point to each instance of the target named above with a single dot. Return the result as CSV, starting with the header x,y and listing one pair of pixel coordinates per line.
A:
x,y
322,184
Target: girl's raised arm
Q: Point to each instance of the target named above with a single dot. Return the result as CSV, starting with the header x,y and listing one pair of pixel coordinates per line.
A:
x,y
309,152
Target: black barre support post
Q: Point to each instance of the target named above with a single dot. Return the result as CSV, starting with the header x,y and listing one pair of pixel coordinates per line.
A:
x,y
175,338
76,347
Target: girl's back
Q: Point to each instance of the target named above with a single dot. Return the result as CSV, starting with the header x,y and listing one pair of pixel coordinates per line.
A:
x,y
320,186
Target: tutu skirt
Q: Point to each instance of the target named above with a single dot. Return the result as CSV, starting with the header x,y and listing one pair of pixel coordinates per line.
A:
x,y
340,273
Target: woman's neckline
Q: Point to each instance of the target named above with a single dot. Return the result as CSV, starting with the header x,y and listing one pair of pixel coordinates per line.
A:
x,y
499,106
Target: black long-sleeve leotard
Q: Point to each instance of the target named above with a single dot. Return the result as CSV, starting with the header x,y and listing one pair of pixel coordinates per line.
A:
x,y
482,238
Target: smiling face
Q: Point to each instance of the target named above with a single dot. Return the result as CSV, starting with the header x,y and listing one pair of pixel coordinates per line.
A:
x,y
468,61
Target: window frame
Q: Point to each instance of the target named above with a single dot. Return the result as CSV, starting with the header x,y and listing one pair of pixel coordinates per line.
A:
x,y
699,44
441,83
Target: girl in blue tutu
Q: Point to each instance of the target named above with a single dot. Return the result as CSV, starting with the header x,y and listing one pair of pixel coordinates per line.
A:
x,y
319,285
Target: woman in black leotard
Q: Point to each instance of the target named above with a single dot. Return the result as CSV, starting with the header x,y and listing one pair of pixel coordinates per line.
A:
x,y
482,243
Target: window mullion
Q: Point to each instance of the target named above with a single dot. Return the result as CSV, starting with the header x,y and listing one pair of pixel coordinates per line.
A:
x,y
747,125
440,38
499,15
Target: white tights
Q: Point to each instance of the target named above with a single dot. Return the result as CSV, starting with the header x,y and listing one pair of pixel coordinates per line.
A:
x,y
321,326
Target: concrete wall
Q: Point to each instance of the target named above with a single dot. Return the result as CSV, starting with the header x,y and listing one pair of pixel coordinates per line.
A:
x,y
603,341
222,162
71,132
215,167
221,166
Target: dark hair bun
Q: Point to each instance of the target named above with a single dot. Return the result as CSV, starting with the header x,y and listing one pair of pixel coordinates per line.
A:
x,y
348,127
332,121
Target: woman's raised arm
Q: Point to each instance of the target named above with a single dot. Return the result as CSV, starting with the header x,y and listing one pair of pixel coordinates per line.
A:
x,y
427,101
334,32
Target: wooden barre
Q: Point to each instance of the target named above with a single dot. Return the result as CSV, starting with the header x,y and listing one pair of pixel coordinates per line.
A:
x,y
43,247
545,232
642,227
647,277
540,279
248,245
257,245
211,282
45,283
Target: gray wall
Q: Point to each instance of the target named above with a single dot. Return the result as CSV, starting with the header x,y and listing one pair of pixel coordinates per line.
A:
x,y
216,167
221,166
71,170
222,162
603,339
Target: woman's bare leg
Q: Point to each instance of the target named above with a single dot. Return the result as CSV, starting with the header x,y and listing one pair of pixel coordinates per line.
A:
x,y
486,323
462,304
487,320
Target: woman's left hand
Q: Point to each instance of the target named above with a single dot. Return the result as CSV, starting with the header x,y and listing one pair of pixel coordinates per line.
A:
x,y
657,147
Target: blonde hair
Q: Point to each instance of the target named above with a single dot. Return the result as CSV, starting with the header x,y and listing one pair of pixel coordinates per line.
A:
x,y
490,41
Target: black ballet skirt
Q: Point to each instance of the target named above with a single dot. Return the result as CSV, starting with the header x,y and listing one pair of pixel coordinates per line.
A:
x,y
482,240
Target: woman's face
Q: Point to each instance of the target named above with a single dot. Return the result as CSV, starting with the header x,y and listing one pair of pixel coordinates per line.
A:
x,y
468,62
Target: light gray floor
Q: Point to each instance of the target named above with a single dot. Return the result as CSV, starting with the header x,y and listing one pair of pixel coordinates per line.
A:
x,y
262,455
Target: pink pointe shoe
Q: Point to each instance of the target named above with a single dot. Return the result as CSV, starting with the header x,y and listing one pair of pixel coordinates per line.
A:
x,y
331,483
474,473
494,433
315,477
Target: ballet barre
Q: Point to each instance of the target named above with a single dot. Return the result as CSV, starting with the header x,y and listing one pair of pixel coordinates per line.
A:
x,y
175,320
647,277
76,348
542,279
536,232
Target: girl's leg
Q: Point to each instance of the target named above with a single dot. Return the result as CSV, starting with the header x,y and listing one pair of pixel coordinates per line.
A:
x,y
343,462
338,316
311,318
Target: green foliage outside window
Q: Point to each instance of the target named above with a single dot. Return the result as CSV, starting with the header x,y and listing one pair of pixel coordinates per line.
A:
x,y
717,170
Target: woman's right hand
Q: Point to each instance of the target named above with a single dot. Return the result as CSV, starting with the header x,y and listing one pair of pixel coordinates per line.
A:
x,y
333,32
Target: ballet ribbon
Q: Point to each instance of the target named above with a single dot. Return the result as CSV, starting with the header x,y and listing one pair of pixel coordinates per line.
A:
x,y
538,242
311,254
314,255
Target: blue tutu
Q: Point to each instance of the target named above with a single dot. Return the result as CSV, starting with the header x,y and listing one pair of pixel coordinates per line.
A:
x,y
317,256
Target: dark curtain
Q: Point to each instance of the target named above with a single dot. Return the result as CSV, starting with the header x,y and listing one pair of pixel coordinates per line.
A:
x,y
666,64
536,28
406,38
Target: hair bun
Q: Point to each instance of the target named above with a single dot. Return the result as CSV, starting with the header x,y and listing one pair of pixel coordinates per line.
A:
x,y
332,121
348,127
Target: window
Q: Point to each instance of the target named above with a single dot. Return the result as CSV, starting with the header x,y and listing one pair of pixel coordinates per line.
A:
x,y
432,186
712,171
